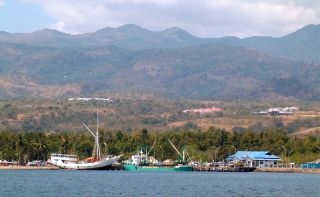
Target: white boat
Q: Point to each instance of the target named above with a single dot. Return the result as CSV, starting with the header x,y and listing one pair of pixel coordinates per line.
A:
x,y
56,157
96,162
102,164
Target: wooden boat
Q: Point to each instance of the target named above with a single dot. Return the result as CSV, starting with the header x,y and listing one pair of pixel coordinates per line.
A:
x,y
96,162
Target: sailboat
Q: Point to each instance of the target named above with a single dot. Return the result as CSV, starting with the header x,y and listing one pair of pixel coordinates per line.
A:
x,y
96,162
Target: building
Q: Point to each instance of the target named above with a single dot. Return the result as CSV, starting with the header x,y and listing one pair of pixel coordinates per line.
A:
x,y
255,159
314,164
90,99
203,110
287,111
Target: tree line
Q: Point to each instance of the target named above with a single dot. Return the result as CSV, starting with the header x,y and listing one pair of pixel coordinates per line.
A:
x,y
202,145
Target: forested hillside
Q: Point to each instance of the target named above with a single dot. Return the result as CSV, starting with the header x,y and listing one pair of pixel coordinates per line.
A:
x,y
213,71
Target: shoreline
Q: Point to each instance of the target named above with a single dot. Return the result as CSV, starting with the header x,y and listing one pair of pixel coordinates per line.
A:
x,y
269,170
29,168
289,170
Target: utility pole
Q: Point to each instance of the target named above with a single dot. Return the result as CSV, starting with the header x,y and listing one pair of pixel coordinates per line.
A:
x,y
105,149
235,149
161,152
285,152
216,153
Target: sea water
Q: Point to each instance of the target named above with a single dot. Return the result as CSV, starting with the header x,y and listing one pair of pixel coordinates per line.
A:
x,y
121,183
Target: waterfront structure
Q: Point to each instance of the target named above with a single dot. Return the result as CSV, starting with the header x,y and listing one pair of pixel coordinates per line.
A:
x,y
310,165
8,163
254,159
314,164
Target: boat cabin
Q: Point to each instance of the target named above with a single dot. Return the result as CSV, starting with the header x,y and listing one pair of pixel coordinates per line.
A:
x,y
63,158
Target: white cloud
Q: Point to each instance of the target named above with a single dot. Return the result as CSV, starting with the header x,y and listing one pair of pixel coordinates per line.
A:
x,y
1,2
203,17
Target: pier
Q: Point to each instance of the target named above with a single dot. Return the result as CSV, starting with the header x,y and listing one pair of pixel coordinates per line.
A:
x,y
250,169
289,170
222,169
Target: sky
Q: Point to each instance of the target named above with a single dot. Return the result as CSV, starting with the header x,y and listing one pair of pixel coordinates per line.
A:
x,y
203,18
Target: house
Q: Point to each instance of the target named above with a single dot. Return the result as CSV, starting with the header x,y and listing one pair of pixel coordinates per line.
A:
x,y
287,111
255,159
203,110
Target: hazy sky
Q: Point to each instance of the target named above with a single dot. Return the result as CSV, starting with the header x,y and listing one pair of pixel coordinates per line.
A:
x,y
204,18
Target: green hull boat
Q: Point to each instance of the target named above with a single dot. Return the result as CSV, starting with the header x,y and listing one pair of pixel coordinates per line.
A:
x,y
162,168
144,162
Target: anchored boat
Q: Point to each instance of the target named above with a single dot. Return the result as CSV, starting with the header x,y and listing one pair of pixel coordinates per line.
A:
x,y
96,162
144,162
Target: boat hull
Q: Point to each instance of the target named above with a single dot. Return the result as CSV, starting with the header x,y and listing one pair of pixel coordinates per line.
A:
x,y
131,167
99,165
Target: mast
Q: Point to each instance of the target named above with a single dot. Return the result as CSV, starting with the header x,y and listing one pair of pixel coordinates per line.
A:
x,y
151,148
175,149
96,149
98,154
183,155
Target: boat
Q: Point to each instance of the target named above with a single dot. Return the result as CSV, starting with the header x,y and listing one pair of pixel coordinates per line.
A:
x,y
96,162
143,162
56,157
101,164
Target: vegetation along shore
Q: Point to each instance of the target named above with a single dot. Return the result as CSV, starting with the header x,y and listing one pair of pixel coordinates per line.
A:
x,y
201,144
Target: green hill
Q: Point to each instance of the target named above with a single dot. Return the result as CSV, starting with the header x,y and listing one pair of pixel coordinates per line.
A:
x,y
214,71
302,45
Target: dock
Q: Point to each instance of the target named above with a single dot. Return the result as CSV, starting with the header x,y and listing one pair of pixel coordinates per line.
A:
x,y
222,169
289,170
248,169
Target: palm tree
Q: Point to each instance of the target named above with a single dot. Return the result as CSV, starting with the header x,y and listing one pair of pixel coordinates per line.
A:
x,y
21,146
40,147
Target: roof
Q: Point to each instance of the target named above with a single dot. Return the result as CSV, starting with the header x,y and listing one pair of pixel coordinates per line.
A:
x,y
254,155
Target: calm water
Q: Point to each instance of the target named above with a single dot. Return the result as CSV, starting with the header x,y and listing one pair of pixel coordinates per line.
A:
x,y
120,183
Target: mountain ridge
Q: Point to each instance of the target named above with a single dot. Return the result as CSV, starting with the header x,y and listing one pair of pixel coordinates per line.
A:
x,y
213,71
170,62
301,45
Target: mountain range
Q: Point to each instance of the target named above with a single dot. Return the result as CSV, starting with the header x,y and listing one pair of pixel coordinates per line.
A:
x,y
49,63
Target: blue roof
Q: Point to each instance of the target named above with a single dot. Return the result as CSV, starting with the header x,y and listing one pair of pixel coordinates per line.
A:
x,y
255,155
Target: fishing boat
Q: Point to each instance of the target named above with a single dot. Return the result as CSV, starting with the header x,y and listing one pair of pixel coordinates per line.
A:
x,y
144,162
96,162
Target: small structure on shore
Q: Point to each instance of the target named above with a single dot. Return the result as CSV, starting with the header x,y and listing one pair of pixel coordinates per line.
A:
x,y
314,164
8,163
254,159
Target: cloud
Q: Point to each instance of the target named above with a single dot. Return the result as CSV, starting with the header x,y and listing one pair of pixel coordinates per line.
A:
x,y
204,18
1,2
